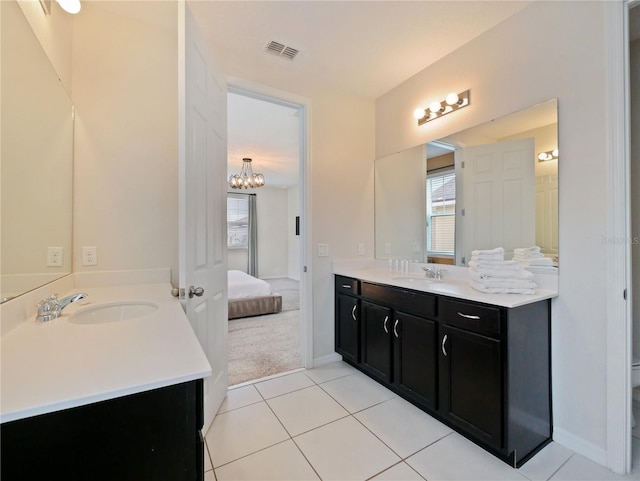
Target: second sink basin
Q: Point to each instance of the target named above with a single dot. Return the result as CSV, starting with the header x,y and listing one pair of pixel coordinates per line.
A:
x,y
113,311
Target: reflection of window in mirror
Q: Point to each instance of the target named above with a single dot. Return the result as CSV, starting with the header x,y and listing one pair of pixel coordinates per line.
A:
x,y
237,221
441,213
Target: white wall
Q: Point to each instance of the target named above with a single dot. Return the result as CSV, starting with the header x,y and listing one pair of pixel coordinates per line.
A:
x,y
273,242
126,95
55,33
549,49
635,191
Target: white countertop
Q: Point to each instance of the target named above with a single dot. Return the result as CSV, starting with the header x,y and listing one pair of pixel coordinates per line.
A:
x,y
49,366
452,284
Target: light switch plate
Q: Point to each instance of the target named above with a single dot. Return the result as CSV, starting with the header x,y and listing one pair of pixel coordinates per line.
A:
x,y
323,250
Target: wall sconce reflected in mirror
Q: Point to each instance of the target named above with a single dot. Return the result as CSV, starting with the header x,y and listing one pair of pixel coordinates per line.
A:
x,y
548,155
437,109
69,6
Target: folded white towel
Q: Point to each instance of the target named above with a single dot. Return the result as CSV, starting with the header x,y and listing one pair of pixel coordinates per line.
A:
x,y
502,290
490,268
492,264
513,283
552,270
519,273
481,276
527,250
481,252
531,255
543,261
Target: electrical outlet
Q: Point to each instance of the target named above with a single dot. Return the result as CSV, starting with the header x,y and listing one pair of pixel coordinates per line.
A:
x,y
89,256
54,256
387,248
361,248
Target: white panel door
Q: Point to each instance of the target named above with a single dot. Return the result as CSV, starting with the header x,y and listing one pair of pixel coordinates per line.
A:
x,y
498,201
203,246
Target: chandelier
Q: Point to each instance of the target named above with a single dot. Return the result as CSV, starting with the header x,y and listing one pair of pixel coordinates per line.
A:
x,y
247,179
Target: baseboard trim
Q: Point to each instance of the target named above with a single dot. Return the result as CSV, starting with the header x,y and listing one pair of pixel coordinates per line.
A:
x,y
580,446
334,357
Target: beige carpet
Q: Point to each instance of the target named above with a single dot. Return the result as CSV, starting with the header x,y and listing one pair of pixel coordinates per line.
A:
x,y
263,345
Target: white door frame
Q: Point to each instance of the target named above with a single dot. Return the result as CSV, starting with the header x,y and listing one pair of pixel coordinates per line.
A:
x,y
618,252
261,92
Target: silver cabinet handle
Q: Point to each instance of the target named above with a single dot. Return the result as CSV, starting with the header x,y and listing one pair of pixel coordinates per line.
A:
x,y
346,286
353,313
386,319
195,291
468,316
395,327
444,340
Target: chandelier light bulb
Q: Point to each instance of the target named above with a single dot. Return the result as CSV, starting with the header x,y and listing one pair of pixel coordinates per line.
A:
x,y
246,179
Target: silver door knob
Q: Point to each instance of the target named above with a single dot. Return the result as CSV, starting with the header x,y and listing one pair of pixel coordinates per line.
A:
x,y
195,291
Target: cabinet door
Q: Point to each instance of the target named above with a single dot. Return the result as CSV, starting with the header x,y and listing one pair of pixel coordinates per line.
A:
x,y
415,350
347,328
471,383
376,340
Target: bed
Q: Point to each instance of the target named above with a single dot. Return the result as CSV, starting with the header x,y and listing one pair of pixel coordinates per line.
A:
x,y
249,296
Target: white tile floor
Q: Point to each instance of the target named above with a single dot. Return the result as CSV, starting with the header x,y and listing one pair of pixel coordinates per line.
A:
x,y
334,423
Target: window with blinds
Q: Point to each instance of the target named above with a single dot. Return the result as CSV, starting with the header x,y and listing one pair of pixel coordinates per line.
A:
x,y
237,222
441,213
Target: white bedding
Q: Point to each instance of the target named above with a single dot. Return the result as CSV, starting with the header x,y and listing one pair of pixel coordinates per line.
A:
x,y
242,285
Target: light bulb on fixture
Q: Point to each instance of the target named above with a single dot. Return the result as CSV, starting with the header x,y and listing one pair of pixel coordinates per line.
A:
x,y
435,107
418,113
70,6
452,99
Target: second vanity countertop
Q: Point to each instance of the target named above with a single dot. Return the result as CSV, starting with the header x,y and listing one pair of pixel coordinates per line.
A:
x,y
55,365
456,286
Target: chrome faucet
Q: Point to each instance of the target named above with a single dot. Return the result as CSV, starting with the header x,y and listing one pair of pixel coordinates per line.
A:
x,y
432,273
51,308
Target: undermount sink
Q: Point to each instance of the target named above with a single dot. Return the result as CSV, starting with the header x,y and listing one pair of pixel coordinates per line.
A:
x,y
113,311
415,279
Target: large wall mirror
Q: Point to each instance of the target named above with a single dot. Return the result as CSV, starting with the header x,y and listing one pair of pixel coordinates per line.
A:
x,y
492,185
36,162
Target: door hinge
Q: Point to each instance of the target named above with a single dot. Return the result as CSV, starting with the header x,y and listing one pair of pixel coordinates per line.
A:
x,y
462,163
304,269
462,212
624,294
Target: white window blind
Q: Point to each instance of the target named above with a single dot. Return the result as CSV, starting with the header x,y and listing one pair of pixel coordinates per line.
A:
x,y
237,222
441,213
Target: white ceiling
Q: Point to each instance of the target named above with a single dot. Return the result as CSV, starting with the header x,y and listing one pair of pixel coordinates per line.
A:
x,y
362,47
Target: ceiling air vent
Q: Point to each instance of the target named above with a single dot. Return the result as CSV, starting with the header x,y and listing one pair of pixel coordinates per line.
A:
x,y
276,48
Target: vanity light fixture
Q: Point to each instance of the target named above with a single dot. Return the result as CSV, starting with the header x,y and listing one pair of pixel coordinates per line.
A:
x,y
246,179
437,109
548,155
70,6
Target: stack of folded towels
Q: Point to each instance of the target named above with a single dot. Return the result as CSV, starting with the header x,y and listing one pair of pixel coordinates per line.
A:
x,y
531,256
490,273
535,261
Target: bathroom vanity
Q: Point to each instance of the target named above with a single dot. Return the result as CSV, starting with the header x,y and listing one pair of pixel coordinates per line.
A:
x,y
91,395
479,363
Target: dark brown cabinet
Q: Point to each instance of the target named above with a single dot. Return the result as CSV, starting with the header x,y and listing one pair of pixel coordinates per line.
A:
x,y
484,370
153,435
347,319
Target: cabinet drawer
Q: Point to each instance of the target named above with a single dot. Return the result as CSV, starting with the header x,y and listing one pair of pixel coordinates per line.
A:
x,y
471,316
347,285
411,302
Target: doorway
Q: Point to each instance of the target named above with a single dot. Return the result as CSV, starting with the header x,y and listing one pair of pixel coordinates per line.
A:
x,y
266,240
